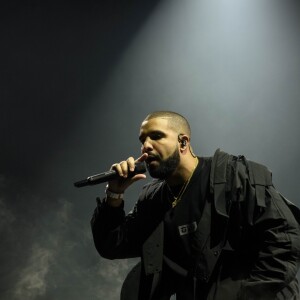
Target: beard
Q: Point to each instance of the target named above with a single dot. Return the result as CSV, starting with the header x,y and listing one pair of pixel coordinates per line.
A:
x,y
166,167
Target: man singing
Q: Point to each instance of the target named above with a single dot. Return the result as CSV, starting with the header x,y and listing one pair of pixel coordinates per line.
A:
x,y
204,228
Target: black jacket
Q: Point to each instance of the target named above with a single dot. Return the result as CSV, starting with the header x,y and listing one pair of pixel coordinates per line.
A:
x,y
248,237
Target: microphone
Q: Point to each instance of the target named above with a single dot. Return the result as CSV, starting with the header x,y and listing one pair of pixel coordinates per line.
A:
x,y
109,175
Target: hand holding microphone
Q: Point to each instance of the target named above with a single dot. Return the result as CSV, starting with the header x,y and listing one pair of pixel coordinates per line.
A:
x,y
119,177
128,171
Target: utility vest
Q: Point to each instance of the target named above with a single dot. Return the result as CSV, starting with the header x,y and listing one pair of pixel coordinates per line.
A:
x,y
226,186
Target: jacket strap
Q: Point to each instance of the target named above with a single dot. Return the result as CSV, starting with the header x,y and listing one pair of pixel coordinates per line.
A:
x,y
260,178
153,251
218,181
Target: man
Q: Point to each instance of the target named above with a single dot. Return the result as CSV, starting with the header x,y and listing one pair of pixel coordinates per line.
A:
x,y
205,228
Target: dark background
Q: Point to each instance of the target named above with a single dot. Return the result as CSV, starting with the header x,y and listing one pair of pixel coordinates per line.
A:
x,y
77,79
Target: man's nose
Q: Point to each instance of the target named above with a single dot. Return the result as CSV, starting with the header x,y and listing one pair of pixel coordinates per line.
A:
x,y
147,145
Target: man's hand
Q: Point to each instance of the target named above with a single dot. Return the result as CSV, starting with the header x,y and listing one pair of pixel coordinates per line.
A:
x,y
123,168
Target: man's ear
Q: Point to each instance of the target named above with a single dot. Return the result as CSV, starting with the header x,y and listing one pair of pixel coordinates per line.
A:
x,y
183,140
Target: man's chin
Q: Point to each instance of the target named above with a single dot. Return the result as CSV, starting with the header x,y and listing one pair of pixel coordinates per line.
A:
x,y
163,169
153,169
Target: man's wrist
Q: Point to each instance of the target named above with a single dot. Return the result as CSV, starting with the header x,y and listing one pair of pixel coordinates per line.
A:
x,y
113,199
112,195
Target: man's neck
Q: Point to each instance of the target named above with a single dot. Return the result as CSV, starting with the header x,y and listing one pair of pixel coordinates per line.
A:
x,y
183,172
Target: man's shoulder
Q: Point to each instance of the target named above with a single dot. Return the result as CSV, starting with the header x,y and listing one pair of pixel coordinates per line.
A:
x,y
223,159
236,169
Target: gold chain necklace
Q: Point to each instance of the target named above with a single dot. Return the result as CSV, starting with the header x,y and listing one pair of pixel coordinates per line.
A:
x,y
182,190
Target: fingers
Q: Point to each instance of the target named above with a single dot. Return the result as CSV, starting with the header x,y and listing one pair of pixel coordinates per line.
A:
x,y
138,177
125,167
142,158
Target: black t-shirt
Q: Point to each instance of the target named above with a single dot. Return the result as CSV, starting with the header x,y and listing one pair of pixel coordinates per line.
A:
x,y
180,224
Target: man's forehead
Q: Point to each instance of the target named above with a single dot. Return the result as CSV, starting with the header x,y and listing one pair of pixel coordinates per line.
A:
x,y
156,122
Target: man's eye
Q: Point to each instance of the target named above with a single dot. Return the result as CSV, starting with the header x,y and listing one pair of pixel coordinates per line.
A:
x,y
156,136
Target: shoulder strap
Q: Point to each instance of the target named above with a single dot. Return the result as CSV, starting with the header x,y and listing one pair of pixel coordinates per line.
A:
x,y
219,181
260,177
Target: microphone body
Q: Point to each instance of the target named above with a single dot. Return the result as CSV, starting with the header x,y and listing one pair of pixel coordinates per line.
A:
x,y
109,175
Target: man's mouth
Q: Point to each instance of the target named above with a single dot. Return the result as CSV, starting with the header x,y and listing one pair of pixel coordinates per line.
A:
x,y
151,158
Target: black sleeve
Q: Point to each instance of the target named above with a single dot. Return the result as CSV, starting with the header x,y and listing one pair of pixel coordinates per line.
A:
x,y
111,231
275,239
117,235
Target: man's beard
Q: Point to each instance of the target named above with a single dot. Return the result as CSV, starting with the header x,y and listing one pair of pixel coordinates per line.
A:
x,y
166,167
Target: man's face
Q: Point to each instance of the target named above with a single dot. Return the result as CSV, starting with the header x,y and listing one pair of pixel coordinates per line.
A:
x,y
160,142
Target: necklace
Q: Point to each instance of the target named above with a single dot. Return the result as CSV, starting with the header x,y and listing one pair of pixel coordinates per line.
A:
x,y
177,199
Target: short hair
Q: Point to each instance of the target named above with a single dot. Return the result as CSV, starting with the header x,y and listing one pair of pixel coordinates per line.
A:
x,y
178,122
